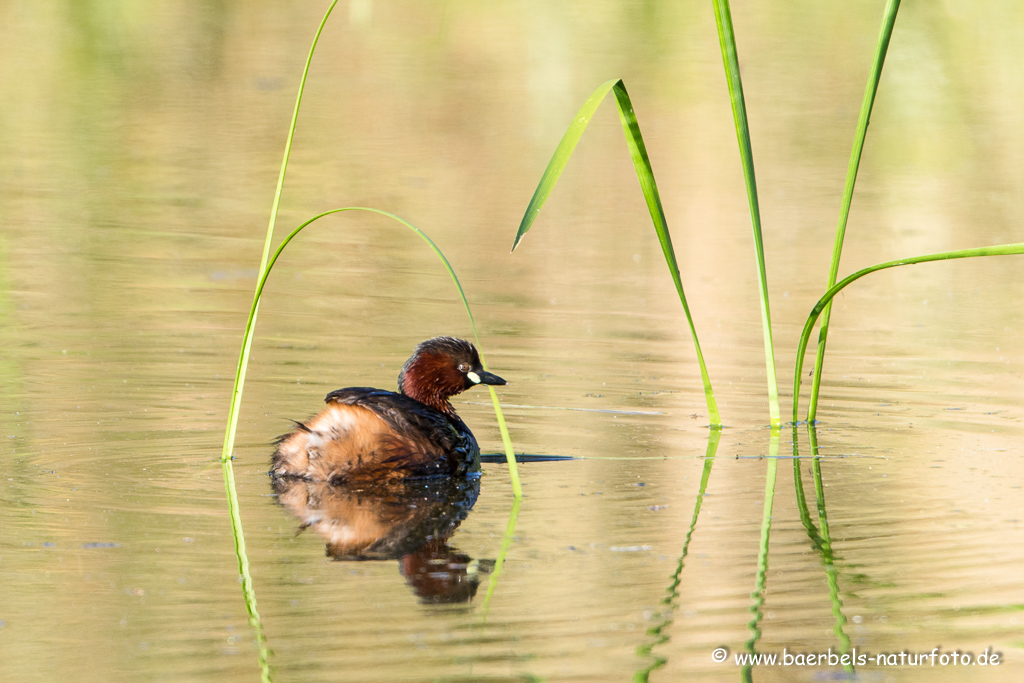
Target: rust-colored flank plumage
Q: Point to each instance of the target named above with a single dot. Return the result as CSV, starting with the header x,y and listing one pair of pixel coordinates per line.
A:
x,y
369,435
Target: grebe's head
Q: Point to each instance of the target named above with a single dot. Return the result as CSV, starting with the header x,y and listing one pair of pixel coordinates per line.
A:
x,y
441,368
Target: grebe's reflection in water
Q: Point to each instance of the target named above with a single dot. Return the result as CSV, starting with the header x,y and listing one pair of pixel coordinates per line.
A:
x,y
409,521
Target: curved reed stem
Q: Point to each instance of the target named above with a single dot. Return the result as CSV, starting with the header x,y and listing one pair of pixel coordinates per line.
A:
x,y
1000,250
506,439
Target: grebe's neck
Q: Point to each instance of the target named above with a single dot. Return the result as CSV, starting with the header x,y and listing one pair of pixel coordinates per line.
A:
x,y
430,379
432,399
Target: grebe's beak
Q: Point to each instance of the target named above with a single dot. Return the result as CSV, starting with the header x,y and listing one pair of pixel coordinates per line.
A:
x,y
484,377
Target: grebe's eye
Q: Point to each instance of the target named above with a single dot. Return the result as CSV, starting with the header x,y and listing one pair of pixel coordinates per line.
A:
x,y
464,367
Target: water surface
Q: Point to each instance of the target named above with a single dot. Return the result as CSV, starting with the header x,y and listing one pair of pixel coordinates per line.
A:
x,y
139,148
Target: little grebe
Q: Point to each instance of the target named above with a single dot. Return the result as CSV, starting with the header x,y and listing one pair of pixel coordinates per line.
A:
x,y
375,436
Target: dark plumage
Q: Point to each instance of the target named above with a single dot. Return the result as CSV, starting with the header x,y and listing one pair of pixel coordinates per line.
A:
x,y
372,435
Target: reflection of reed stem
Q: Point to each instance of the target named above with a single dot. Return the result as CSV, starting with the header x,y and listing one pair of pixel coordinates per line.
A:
x,y
667,616
762,555
822,542
492,580
243,569
506,543
801,498
828,557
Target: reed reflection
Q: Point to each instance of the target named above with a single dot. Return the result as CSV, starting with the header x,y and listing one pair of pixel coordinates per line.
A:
x,y
821,540
658,634
409,521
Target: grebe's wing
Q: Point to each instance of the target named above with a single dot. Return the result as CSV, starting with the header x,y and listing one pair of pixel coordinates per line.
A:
x,y
348,394
431,430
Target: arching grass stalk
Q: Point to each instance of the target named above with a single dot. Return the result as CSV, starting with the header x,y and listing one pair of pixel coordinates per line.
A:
x,y
509,453
243,361
645,174
1000,250
888,21
727,39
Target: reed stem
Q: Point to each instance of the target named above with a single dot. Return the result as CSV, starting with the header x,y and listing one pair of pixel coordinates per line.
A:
x,y
727,39
888,22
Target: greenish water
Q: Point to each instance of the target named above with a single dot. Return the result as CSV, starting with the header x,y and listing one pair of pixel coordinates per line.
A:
x,y
139,146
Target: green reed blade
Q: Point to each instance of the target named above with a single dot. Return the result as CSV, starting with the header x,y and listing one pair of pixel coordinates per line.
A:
x,y
645,174
727,39
248,591
561,157
243,361
888,21
805,335
506,439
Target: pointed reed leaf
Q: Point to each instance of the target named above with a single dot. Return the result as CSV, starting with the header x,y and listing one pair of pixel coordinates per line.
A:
x,y
882,46
560,158
506,439
645,174
727,39
805,335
